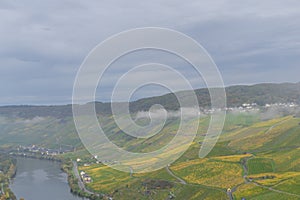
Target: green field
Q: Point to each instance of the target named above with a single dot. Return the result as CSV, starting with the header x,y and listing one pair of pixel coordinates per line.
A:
x,y
260,165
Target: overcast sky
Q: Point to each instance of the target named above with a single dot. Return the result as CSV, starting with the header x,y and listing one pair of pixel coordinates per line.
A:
x,y
43,43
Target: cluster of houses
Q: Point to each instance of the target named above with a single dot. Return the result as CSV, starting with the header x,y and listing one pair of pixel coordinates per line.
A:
x,y
41,150
245,107
85,177
282,105
251,107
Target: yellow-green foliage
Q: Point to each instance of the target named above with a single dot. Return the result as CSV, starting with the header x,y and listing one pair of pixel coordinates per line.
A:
x,y
274,178
260,165
121,186
291,185
261,133
248,190
285,160
275,163
251,191
232,158
105,178
210,173
271,122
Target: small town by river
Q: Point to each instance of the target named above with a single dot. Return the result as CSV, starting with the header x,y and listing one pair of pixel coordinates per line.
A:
x,y
41,179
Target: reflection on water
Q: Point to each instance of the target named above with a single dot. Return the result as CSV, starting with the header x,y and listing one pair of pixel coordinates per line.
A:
x,y
41,179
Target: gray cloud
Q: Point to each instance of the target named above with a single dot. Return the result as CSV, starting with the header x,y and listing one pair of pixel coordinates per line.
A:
x,y
44,42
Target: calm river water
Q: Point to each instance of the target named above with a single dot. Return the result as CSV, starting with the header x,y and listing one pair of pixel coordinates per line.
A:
x,y
41,180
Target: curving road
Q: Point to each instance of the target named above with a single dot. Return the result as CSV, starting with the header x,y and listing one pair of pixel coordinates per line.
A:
x,y
80,182
277,124
230,196
172,174
244,164
278,191
183,182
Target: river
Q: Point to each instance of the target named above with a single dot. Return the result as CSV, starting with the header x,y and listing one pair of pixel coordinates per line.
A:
x,y
41,179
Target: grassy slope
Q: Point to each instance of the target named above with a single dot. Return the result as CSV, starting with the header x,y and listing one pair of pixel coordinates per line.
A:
x,y
274,155
46,131
274,145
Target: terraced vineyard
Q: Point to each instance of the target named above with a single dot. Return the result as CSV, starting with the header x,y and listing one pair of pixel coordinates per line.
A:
x,y
260,166
257,160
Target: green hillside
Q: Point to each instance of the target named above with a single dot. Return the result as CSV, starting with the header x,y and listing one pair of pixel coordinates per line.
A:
x,y
258,157
269,150
236,95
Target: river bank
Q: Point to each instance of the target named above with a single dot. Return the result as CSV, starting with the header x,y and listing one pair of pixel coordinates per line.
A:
x,y
66,165
76,185
41,179
7,172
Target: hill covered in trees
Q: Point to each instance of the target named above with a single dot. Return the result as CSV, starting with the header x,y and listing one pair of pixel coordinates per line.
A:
x,y
257,154
260,94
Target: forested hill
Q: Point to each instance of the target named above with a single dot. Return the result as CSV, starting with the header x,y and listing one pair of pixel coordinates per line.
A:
x,y
236,96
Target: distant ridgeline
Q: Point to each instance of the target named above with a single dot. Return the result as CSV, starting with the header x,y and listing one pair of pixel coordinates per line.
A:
x,y
261,94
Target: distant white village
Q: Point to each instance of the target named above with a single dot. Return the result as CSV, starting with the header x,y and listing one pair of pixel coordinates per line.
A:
x,y
253,107
40,150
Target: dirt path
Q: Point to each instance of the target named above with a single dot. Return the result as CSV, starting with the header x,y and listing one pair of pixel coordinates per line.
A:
x,y
230,196
244,164
274,190
178,178
183,182
277,124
